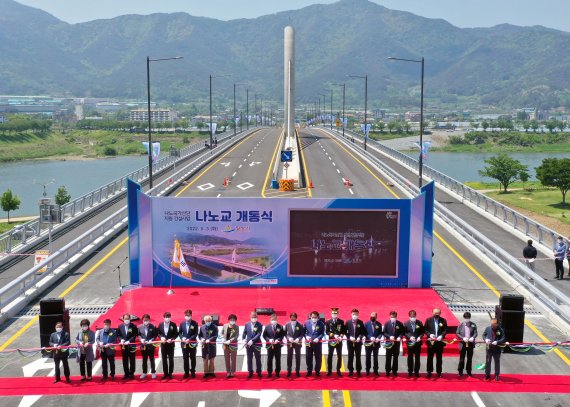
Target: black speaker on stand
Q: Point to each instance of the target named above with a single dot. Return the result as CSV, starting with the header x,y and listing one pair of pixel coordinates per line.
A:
x,y
52,311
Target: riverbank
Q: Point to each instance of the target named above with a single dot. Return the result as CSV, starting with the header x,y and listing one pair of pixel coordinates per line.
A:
x,y
86,144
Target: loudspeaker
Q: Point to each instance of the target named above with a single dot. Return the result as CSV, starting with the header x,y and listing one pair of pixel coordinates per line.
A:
x,y
52,306
511,302
47,327
513,324
264,311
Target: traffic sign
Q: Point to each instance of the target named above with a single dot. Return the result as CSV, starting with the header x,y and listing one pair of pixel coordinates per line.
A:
x,y
286,165
286,156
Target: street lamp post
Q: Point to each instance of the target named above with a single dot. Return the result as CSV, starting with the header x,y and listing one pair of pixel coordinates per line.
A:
x,y
148,61
343,103
421,160
365,77
331,117
247,108
235,112
211,118
324,106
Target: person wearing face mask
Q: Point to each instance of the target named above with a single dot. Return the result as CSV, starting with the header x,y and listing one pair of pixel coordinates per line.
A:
x,y
294,331
436,328
147,334
273,333
372,344
106,339
230,336
466,335
356,334
314,334
393,331
494,337
188,333
168,333
335,332
85,340
414,333
58,339
559,255
127,333
252,336
208,335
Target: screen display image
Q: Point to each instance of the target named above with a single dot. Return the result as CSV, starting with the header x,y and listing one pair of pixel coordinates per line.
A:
x,y
343,243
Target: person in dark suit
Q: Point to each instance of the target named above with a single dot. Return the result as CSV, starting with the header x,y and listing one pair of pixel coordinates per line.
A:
x,y
106,339
494,337
334,328
127,333
273,335
356,334
230,336
208,335
294,331
147,334
252,335
436,329
168,333
466,334
188,333
85,341
372,344
414,333
314,334
58,339
393,332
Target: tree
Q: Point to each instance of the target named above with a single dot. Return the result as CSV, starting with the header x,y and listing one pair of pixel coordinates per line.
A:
x,y
534,125
551,125
381,126
561,126
526,126
504,169
555,172
9,202
392,126
524,176
62,196
485,125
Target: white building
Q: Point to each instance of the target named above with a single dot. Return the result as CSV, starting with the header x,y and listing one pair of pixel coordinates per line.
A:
x,y
156,115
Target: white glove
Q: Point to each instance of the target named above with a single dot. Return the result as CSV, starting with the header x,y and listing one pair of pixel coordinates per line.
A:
x,y
471,339
391,338
226,342
494,343
163,339
439,338
250,343
169,340
315,340
336,336
122,341
364,339
272,341
487,341
372,339
284,341
297,340
207,341
352,338
127,342
465,340
187,340
432,336
202,340
413,338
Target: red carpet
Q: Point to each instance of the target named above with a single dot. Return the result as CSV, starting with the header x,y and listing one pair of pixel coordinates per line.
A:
x,y
241,301
449,383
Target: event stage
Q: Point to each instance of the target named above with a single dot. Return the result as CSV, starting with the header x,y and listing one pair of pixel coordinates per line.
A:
x,y
241,301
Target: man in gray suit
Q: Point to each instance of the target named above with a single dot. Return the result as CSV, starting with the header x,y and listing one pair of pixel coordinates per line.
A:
x,y
230,336
466,335
494,337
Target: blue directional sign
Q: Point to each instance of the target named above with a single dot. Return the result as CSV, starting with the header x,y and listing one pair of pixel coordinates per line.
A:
x,y
286,156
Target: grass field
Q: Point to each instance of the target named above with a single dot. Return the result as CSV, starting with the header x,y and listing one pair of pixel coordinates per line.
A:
x,y
543,201
493,148
497,186
5,226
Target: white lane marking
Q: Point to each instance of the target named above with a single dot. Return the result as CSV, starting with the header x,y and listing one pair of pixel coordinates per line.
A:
x,y
219,195
477,399
266,397
234,174
334,164
28,401
330,158
350,190
251,164
201,404
239,166
248,155
205,187
226,164
245,185
337,170
138,398
245,159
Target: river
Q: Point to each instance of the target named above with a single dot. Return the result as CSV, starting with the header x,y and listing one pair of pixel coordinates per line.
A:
x,y
26,178
464,167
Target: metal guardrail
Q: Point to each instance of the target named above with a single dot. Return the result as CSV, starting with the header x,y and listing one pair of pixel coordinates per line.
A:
x,y
26,286
538,232
17,239
551,297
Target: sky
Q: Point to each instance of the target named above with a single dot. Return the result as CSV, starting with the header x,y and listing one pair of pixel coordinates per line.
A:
x,y
462,13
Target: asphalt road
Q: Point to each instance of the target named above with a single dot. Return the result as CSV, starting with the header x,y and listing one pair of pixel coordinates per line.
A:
x,y
96,283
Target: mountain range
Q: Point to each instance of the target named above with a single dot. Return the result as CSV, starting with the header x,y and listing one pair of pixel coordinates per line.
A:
x,y
503,65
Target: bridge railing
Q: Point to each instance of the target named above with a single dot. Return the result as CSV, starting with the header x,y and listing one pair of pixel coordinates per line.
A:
x,y
17,239
14,295
531,228
551,297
